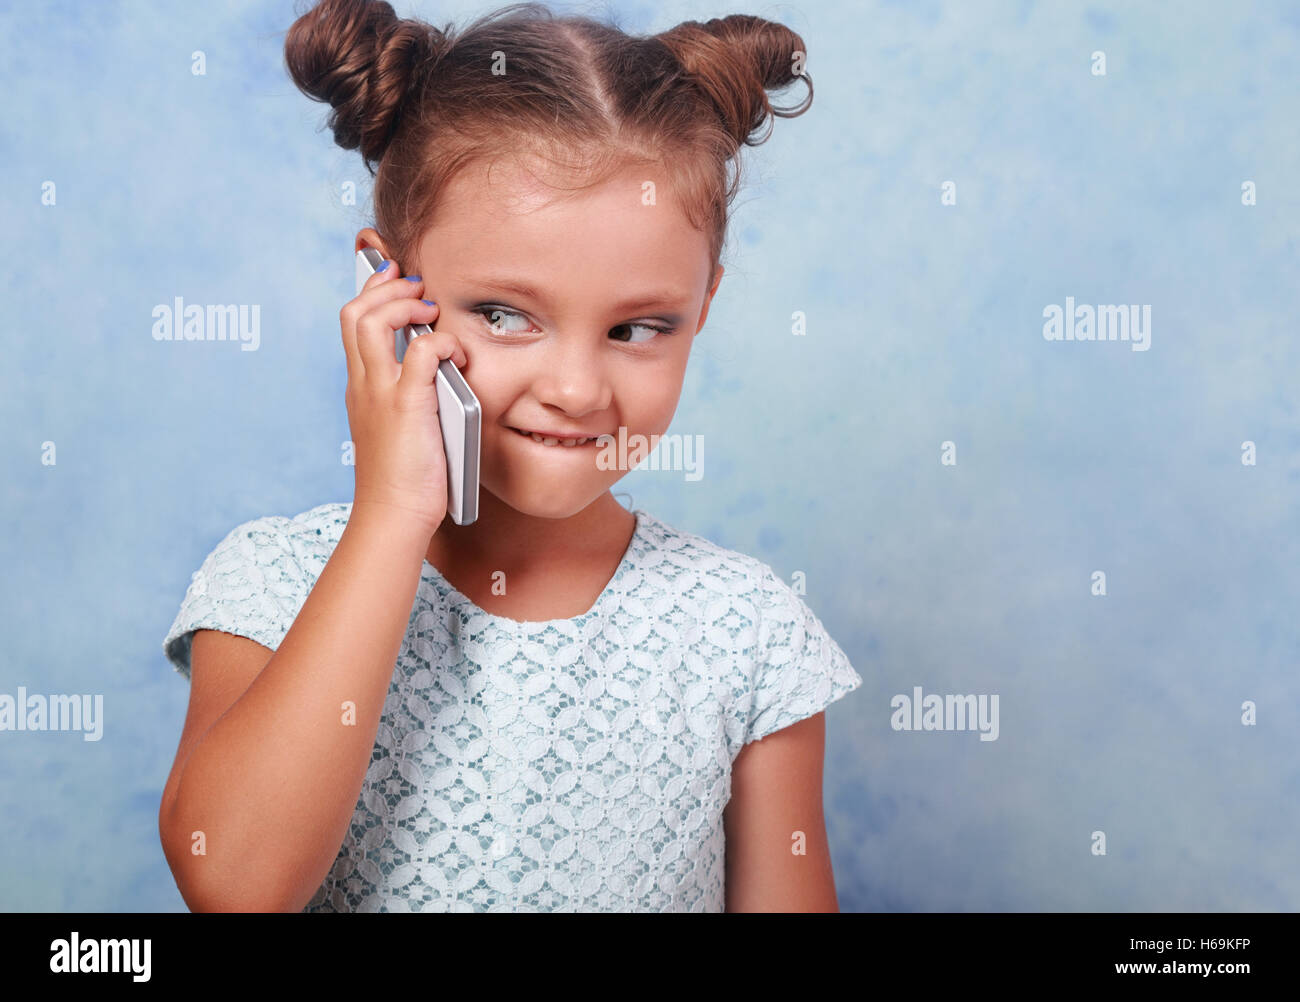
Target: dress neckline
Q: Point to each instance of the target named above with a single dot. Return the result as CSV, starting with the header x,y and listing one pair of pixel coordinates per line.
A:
x,y
455,597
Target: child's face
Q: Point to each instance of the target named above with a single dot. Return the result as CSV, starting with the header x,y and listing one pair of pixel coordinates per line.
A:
x,y
575,356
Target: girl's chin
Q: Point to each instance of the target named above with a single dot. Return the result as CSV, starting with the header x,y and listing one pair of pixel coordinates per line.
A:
x,y
542,500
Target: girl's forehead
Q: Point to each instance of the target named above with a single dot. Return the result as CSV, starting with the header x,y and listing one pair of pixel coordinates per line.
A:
x,y
522,214
520,184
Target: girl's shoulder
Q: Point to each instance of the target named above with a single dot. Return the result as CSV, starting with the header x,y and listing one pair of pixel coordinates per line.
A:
x,y
289,550
322,525
256,579
752,626
690,561
290,542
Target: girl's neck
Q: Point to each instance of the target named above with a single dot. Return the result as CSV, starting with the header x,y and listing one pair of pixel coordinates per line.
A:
x,y
507,540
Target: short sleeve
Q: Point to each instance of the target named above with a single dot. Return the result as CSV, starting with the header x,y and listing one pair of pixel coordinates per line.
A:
x,y
252,585
799,670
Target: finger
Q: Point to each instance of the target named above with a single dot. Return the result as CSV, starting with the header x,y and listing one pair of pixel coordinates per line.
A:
x,y
378,288
384,285
387,289
348,317
386,271
423,357
375,341
352,311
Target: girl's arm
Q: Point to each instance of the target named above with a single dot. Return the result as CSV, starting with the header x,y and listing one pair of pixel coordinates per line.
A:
x,y
776,796
273,783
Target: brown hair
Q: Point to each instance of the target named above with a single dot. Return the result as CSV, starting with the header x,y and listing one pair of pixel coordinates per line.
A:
x,y
422,103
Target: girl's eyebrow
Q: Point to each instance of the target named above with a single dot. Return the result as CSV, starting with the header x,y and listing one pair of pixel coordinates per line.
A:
x,y
662,297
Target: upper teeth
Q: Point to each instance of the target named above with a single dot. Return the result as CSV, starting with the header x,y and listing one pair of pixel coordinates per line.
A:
x,y
557,441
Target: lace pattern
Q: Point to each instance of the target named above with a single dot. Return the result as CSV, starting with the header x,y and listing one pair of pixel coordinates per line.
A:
x,y
567,765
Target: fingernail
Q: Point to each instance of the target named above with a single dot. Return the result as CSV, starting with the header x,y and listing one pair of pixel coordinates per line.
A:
x,y
413,278
427,303
383,267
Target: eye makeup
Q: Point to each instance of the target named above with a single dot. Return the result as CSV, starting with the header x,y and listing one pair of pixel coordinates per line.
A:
x,y
489,311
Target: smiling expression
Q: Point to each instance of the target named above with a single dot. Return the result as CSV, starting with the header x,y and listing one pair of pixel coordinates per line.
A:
x,y
577,315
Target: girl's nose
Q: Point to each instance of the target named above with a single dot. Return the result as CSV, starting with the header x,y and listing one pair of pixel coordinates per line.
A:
x,y
573,377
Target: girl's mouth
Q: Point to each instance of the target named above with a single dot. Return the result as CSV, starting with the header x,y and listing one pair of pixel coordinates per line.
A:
x,y
566,443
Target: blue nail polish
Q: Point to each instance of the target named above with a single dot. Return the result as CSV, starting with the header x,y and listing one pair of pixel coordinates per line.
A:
x,y
427,303
413,278
383,267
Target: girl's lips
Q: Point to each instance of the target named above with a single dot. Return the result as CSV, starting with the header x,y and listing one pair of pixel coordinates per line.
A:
x,y
564,443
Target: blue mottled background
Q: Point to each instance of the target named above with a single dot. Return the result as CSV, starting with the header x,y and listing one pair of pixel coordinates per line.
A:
x,y
1119,714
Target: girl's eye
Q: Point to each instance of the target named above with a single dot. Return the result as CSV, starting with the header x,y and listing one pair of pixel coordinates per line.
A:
x,y
494,313
649,332
654,332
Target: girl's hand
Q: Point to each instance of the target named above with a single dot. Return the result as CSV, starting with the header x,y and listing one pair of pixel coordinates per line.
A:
x,y
401,469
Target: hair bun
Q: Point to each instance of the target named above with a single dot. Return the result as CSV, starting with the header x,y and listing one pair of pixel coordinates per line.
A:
x,y
735,60
364,60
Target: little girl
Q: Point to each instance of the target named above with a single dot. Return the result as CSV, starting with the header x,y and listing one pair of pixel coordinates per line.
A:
x,y
565,705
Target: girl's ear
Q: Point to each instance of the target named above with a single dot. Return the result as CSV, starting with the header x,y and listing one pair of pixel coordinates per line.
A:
x,y
369,237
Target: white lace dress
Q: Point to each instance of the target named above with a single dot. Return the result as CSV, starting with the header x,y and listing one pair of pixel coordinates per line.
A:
x,y
571,765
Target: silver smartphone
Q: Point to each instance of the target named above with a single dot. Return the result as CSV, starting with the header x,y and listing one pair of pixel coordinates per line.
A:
x,y
459,413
